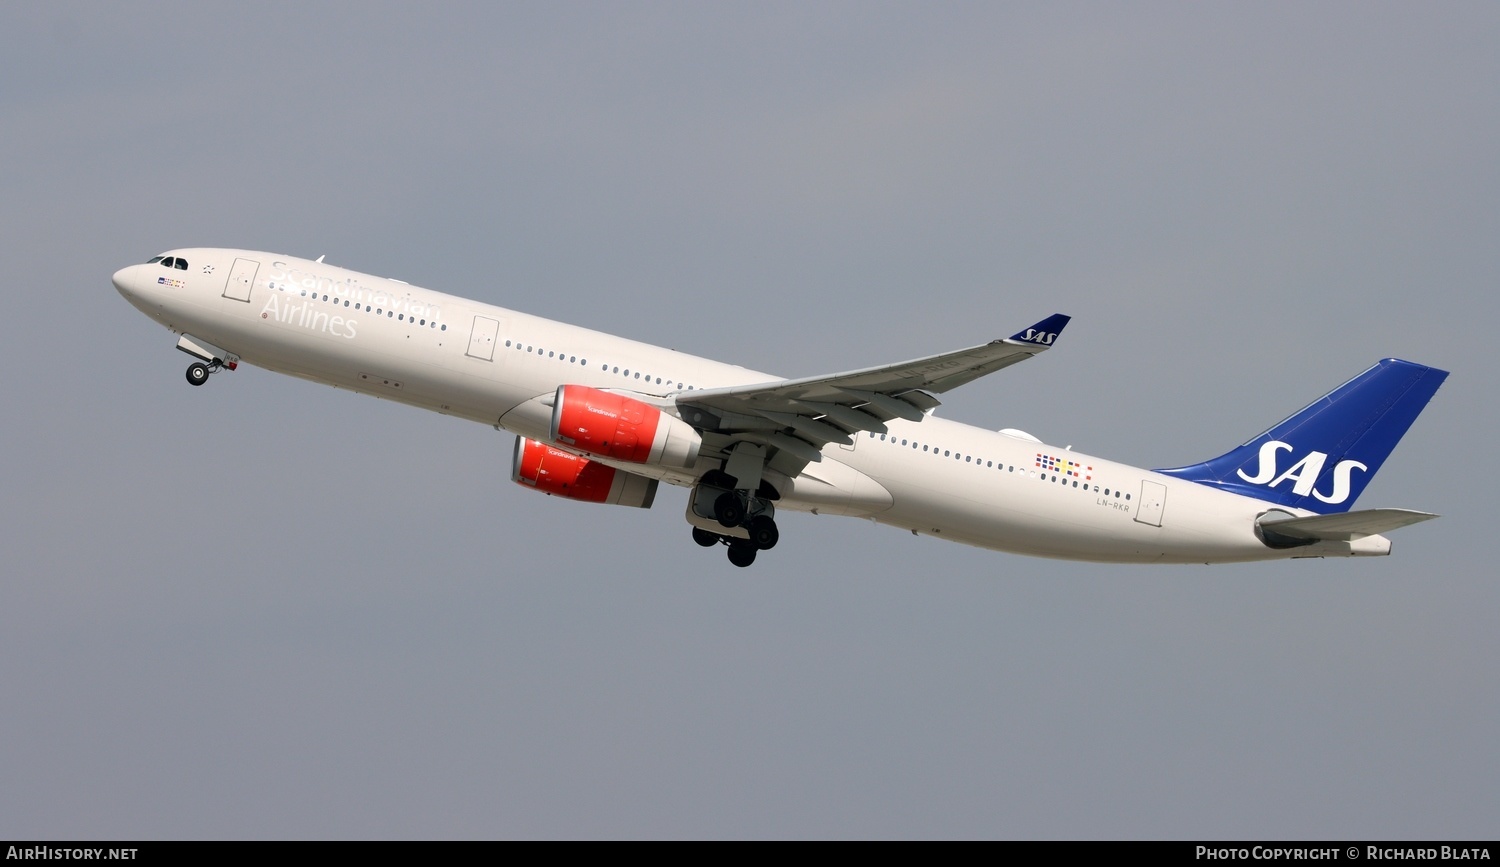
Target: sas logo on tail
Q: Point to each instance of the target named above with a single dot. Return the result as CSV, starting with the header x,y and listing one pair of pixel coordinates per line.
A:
x,y
1304,473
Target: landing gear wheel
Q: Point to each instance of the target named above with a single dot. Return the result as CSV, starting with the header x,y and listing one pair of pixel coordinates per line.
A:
x,y
729,510
763,532
197,373
741,553
705,538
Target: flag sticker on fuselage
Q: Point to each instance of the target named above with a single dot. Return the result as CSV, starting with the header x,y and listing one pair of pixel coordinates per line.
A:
x,y
1063,466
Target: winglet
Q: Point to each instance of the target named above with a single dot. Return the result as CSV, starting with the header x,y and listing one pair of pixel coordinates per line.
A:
x,y
1043,333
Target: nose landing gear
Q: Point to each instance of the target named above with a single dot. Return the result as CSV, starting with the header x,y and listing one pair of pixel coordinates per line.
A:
x,y
212,359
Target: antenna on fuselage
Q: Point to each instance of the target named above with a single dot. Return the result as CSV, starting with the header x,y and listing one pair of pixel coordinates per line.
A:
x,y
319,260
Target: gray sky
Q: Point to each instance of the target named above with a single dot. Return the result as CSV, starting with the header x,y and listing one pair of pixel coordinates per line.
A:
x,y
267,608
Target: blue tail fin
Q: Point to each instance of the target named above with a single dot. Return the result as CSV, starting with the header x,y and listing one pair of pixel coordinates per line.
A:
x,y
1321,458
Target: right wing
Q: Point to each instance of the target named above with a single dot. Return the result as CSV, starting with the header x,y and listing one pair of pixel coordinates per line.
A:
x,y
797,417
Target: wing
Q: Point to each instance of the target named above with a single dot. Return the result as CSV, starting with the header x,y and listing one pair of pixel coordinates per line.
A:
x,y
797,417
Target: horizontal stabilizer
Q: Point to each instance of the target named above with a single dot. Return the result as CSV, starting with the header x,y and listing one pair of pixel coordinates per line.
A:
x,y
1342,526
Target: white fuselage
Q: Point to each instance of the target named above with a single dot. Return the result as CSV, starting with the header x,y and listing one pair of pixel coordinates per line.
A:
x,y
492,365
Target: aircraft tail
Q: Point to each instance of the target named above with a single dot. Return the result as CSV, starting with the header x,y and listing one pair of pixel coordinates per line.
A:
x,y
1321,458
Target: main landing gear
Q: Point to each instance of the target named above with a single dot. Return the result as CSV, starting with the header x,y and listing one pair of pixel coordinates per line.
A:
x,y
723,515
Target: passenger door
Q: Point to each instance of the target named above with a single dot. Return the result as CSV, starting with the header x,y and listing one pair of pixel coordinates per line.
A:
x,y
241,279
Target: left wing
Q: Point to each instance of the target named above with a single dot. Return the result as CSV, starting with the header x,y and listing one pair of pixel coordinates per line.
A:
x,y
797,417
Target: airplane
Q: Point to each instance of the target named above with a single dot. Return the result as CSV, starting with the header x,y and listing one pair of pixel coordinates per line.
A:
x,y
604,419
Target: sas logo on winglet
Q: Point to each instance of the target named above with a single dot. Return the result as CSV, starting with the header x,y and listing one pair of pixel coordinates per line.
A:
x,y
1043,333
1304,473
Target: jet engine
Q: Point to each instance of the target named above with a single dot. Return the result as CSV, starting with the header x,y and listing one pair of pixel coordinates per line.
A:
x,y
622,428
563,474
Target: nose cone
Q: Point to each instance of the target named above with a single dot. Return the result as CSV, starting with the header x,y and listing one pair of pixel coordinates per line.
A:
x,y
137,283
124,284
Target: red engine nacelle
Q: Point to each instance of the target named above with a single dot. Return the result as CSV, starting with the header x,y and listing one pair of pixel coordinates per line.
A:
x,y
563,474
622,428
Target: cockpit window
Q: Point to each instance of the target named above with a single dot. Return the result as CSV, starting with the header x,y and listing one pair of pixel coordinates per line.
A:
x,y
170,262
154,259
180,264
